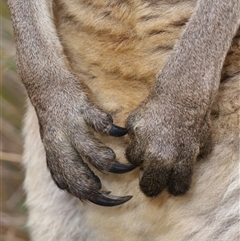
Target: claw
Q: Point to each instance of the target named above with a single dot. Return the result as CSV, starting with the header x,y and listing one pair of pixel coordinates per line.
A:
x,y
105,192
103,199
120,168
117,131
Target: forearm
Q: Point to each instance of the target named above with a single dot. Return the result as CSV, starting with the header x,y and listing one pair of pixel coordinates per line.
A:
x,y
38,49
40,58
195,65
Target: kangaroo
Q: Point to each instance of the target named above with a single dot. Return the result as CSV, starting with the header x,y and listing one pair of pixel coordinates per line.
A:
x,y
151,66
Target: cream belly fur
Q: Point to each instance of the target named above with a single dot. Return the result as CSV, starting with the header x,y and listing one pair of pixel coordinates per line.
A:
x,y
119,72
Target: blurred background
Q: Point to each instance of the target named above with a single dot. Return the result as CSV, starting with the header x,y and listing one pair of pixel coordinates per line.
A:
x,y
12,94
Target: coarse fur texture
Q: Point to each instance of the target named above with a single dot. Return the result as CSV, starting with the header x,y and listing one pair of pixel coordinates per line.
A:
x,y
116,48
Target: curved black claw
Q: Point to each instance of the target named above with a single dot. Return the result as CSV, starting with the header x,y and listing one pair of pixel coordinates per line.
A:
x,y
117,131
105,192
120,168
103,199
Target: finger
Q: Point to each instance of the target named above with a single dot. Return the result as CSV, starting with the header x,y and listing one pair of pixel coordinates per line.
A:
x,y
98,119
134,152
103,122
205,140
181,177
103,199
154,179
99,155
72,174
77,179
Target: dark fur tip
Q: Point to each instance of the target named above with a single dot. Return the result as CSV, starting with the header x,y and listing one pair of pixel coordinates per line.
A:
x,y
178,191
117,131
154,181
120,168
106,200
152,193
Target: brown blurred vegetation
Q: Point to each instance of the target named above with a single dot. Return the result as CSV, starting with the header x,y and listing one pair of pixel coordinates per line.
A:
x,y
12,94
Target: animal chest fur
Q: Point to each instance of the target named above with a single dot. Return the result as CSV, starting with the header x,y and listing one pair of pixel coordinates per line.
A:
x,y
116,48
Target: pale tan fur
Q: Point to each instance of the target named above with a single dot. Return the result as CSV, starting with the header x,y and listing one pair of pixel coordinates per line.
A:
x,y
118,59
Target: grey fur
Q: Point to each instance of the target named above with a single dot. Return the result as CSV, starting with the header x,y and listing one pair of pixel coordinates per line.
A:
x,y
174,118
65,113
172,127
